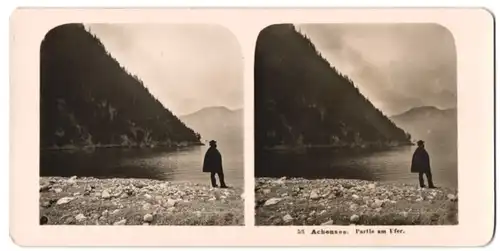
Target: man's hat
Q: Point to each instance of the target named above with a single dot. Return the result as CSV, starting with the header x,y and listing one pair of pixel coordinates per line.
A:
x,y
420,142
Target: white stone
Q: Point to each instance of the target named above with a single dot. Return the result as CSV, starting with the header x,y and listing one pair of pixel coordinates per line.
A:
x,y
354,218
64,200
121,222
148,218
327,223
314,195
105,194
287,218
272,201
80,217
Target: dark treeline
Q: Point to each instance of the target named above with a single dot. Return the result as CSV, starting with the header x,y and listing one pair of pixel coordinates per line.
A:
x,y
88,99
302,100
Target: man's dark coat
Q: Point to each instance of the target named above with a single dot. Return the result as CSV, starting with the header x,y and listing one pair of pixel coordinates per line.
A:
x,y
212,161
420,162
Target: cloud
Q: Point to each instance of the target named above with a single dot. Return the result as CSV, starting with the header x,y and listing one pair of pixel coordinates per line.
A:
x,y
186,66
396,66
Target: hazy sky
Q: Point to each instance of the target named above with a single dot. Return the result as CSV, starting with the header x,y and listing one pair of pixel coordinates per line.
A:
x,y
186,66
396,66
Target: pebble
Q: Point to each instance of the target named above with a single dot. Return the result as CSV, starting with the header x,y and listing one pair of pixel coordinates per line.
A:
x,y
280,181
72,180
451,197
266,191
44,220
80,217
171,202
69,221
287,218
327,223
148,218
58,190
353,207
88,189
147,196
354,218
105,194
121,222
314,195
272,201
377,204
64,200
45,188
146,206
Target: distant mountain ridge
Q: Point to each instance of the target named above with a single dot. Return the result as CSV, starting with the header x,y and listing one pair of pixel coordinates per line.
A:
x,y
218,122
302,101
87,99
430,124
420,110
212,110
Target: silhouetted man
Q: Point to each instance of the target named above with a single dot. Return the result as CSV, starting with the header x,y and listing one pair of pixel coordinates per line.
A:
x,y
213,164
420,164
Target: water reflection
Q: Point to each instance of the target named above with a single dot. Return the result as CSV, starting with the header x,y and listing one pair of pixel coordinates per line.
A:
x,y
162,164
391,165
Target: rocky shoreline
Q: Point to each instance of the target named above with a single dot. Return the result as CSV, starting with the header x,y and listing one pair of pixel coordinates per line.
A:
x,y
91,201
297,201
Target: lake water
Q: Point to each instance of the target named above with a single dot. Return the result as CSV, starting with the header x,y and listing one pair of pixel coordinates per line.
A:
x,y
181,165
389,166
